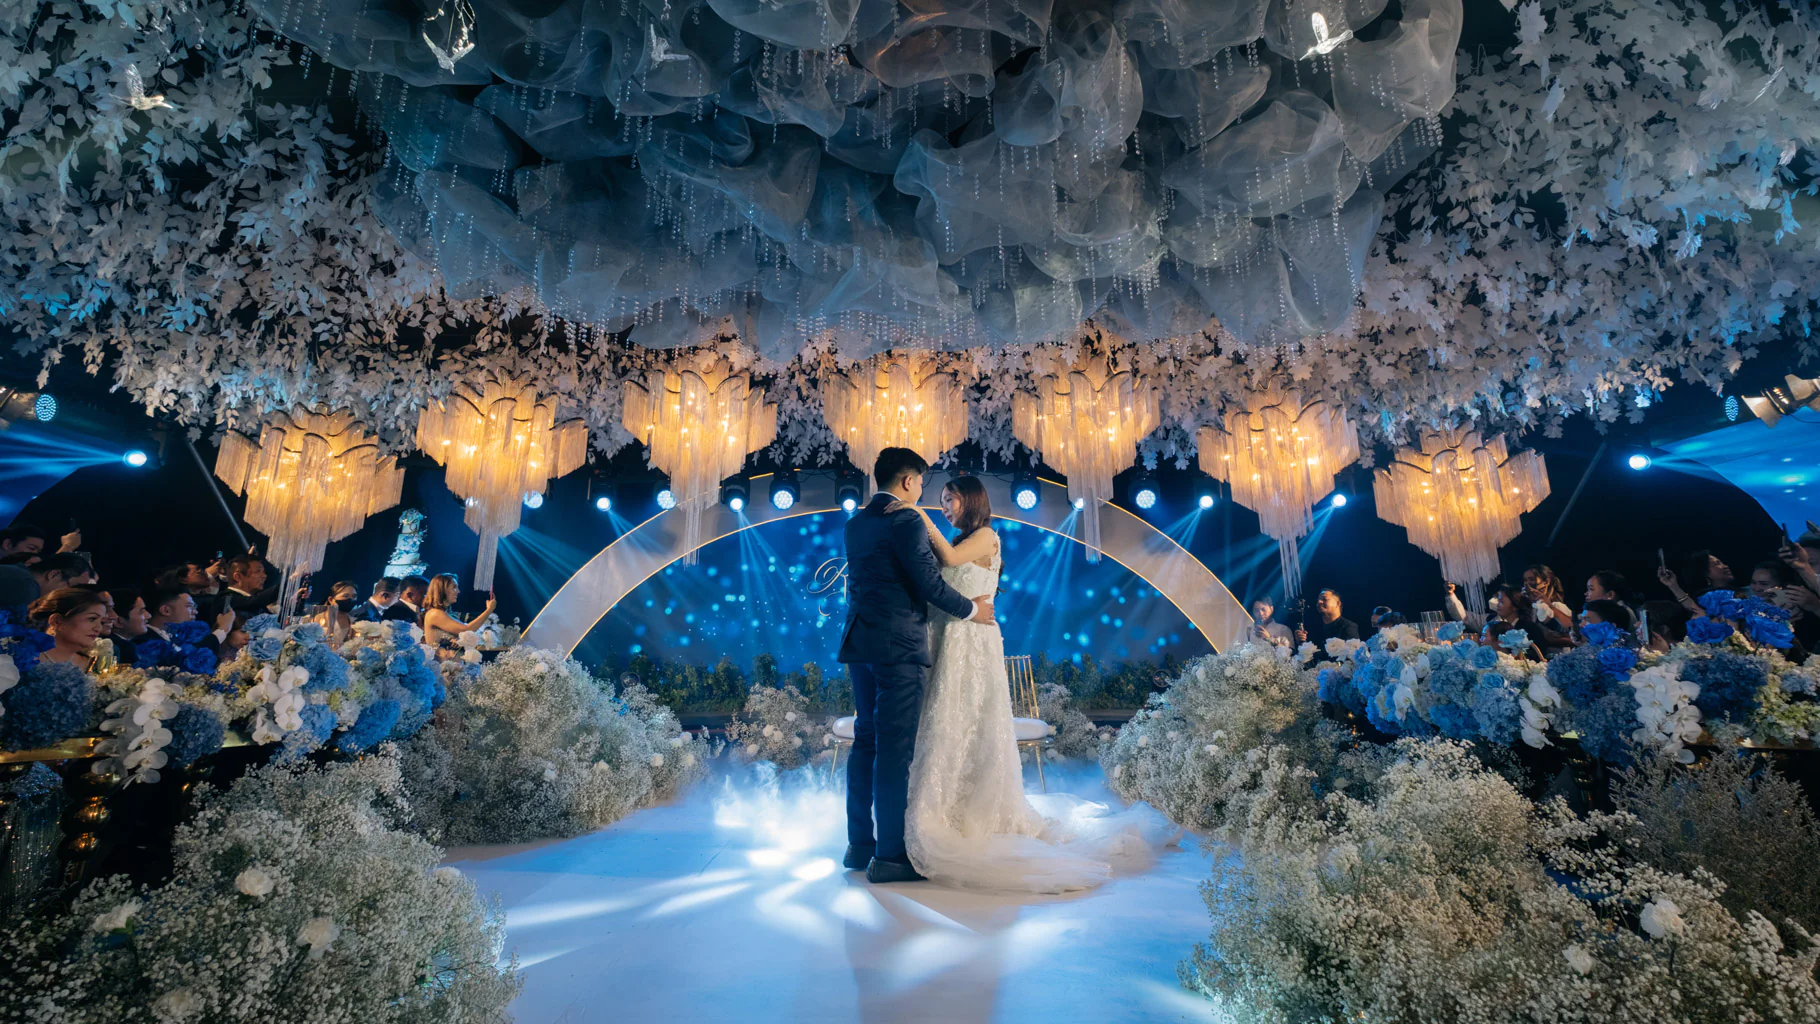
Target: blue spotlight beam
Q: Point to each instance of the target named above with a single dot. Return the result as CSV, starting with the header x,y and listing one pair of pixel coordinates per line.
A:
x,y
656,543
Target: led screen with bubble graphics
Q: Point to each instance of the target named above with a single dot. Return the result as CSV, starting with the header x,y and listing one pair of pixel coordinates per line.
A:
x,y
774,590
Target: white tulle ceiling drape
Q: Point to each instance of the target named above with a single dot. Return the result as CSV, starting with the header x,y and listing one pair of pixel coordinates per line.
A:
x,y
924,172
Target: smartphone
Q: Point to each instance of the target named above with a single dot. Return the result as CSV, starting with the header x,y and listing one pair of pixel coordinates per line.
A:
x,y
1662,558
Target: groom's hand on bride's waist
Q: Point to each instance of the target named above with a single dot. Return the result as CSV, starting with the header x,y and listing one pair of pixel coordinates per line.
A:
x,y
982,611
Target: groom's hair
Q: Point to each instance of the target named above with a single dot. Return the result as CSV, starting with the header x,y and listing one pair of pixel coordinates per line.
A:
x,y
895,463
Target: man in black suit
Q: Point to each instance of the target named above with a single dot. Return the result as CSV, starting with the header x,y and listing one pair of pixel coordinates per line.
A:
x,y
892,579
247,593
409,607
373,609
170,606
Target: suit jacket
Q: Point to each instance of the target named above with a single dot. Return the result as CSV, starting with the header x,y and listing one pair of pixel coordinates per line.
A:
x,y
892,579
367,611
401,612
245,606
210,642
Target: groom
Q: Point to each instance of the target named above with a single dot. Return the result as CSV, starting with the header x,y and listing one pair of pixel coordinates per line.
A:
x,y
892,579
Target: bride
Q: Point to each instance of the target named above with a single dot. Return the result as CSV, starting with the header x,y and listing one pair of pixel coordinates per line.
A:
x,y
969,822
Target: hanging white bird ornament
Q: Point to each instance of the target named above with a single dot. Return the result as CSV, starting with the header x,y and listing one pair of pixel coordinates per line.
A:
x,y
1324,43
137,97
458,41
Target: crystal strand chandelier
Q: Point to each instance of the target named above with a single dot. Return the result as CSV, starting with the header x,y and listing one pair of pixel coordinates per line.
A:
x,y
499,441
1460,498
1279,454
1087,423
700,422
898,400
311,477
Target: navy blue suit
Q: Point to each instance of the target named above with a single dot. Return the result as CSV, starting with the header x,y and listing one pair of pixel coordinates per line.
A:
x,y
367,611
892,579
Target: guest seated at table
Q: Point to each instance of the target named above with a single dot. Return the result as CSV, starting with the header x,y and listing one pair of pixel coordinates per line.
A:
x,y
171,606
441,629
409,607
373,609
26,539
1704,572
1263,628
1511,609
247,592
1548,599
56,572
335,617
124,653
75,620
1610,612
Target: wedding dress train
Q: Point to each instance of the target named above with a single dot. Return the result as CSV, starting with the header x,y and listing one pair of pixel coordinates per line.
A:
x,y
969,822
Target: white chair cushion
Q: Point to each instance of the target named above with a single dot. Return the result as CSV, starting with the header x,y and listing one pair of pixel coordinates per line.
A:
x,y
1030,729
843,728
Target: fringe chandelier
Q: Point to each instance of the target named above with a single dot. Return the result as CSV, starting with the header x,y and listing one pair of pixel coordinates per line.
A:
x,y
1087,423
1460,499
500,442
312,476
1280,454
699,423
898,400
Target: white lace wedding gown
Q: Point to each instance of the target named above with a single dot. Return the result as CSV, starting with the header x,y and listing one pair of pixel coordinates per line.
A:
x,y
969,822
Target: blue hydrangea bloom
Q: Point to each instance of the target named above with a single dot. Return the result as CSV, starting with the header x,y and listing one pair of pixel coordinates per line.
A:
x,y
1751,604
376,722
1708,631
1380,711
309,633
1579,676
1721,604
1464,647
371,658
1483,658
266,648
50,703
1327,685
1439,656
188,634
1618,661
1453,682
199,660
1605,725
1729,684
1453,722
1496,711
328,671
196,732
1765,630
1602,633
1450,631
261,624
318,725
25,645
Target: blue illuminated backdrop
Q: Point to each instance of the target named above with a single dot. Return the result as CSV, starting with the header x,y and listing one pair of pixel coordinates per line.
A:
x,y
760,591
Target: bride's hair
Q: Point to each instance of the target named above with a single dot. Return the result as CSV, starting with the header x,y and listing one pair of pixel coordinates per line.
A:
x,y
976,508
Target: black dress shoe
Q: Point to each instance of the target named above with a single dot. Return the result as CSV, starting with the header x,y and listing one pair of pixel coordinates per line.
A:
x,y
881,871
857,857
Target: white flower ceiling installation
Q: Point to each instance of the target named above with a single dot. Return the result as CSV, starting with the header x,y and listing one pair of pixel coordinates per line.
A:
x,y
359,204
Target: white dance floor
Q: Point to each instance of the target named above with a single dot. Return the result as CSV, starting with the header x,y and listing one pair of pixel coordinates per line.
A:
x,y
732,905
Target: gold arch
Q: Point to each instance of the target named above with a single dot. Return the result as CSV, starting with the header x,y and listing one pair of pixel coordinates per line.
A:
x,y
648,548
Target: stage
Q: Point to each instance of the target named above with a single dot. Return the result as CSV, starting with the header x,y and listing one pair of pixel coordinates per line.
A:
x,y
732,904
